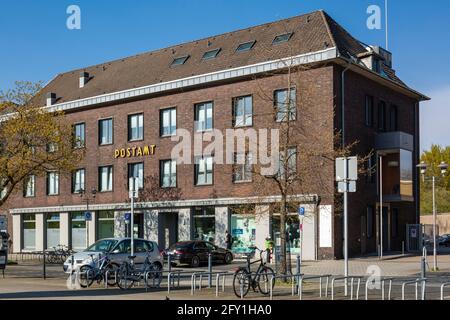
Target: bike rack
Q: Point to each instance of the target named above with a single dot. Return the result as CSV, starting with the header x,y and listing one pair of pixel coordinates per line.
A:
x,y
170,278
146,273
416,283
302,278
383,288
292,277
200,276
443,286
352,280
223,275
106,277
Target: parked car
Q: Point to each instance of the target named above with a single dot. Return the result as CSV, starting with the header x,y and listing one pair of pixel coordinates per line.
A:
x,y
119,249
444,240
194,253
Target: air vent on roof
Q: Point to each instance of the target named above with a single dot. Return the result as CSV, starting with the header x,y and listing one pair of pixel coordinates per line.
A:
x,y
84,78
179,61
282,38
211,54
51,99
245,46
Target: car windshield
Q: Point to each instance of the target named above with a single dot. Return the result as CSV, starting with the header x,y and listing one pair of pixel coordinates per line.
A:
x,y
102,246
180,246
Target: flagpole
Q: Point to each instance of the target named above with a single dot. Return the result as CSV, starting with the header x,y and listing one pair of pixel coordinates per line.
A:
x,y
387,23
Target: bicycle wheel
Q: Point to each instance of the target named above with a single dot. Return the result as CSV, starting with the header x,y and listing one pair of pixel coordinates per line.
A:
x,y
155,275
124,277
241,281
263,280
112,269
86,276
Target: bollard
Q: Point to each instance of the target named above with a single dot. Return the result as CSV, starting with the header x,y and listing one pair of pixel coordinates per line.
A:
x,y
44,271
169,262
209,270
298,264
268,255
403,248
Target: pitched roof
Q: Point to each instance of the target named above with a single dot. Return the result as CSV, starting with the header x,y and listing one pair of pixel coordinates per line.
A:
x,y
311,32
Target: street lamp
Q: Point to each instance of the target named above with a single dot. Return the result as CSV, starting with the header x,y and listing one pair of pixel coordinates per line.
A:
x,y
423,169
87,199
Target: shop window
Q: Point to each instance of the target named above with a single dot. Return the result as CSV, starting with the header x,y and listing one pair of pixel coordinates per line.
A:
x,y
292,232
53,230
105,225
204,224
78,231
243,231
29,232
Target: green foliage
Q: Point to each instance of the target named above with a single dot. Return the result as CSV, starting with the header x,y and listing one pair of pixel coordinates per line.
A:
x,y
433,158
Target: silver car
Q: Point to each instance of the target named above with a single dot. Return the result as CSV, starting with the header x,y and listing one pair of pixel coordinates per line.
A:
x,y
118,249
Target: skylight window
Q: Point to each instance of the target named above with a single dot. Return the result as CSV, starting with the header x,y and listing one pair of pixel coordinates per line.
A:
x,y
211,54
282,38
246,46
179,61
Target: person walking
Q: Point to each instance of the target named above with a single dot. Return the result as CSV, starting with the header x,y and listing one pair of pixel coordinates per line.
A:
x,y
228,240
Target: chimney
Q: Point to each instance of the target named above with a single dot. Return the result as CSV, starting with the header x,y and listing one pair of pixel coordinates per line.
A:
x,y
84,78
51,99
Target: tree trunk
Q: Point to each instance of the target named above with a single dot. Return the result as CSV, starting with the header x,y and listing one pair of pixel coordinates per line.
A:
x,y
283,261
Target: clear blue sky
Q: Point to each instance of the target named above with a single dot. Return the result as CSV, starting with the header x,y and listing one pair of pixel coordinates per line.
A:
x,y
36,45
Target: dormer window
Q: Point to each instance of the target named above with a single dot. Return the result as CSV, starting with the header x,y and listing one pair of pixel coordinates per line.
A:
x,y
179,61
246,46
211,54
282,38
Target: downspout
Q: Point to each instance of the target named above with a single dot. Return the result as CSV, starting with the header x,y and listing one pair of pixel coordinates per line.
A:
x,y
349,63
417,159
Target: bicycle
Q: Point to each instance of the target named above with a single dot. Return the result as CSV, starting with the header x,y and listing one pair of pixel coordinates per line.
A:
x,y
89,274
243,278
128,273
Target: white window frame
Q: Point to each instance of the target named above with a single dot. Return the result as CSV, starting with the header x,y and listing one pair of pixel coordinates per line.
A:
x,y
243,113
171,175
203,112
108,138
204,167
52,183
168,120
108,173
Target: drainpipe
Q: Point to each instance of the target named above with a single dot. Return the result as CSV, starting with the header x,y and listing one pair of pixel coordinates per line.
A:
x,y
349,63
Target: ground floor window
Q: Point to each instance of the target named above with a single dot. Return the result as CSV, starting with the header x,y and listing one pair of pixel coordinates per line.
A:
x,y
293,238
78,226
243,231
205,224
53,226
105,228
29,232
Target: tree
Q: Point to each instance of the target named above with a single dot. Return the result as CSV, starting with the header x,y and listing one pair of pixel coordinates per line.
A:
x,y
433,158
33,141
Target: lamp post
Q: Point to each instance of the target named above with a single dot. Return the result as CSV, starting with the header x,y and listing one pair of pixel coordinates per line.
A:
x,y
133,195
423,169
87,199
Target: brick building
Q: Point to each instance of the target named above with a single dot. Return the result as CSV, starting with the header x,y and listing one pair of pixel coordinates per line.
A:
x,y
125,112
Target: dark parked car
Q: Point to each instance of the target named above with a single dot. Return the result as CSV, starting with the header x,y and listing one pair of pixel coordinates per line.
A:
x,y
194,253
445,240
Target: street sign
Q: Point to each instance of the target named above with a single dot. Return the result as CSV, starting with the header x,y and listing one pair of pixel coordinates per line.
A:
x,y
347,187
88,216
352,169
3,225
301,211
128,217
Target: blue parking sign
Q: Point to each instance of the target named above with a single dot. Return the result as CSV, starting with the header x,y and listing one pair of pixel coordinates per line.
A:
x,y
127,216
88,216
301,211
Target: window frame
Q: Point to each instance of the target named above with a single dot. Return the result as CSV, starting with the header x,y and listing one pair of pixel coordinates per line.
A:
x,y
369,111
215,53
234,102
161,122
382,116
243,167
288,34
74,177
131,165
57,183
196,116
130,130
393,126
83,141
197,171
183,60
100,178
252,44
162,175
100,131
25,186
276,105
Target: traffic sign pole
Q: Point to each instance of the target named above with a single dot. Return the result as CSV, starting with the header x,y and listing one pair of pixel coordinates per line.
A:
x,y
346,226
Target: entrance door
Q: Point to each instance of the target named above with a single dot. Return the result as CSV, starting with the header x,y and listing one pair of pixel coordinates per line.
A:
x,y
385,229
138,228
167,230
363,234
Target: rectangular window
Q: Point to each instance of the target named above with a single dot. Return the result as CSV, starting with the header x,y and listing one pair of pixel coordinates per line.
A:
x,y
179,61
369,111
105,181
79,135
78,234
243,111
105,226
242,171
105,132
286,104
52,183
30,187
382,116
136,127
246,46
211,54
203,170
372,168
204,224
289,161
53,225
29,231
370,220
78,181
203,116
168,122
282,38
168,174
136,170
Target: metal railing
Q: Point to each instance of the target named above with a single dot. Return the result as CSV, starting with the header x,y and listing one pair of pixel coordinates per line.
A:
x,y
171,278
352,280
383,288
200,276
303,278
443,286
416,283
293,284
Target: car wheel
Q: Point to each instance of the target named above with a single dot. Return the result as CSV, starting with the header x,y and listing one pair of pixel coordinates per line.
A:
x,y
228,258
195,262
